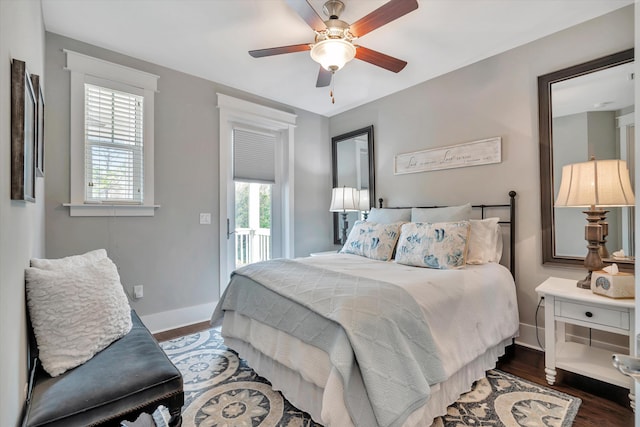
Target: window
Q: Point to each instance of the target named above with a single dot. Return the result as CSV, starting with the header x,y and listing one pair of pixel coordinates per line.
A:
x,y
111,138
113,145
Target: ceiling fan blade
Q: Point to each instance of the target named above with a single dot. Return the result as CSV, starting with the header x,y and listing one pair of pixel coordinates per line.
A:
x,y
383,15
380,59
324,78
308,13
259,53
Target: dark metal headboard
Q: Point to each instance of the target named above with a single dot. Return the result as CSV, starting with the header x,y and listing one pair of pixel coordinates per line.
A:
x,y
511,222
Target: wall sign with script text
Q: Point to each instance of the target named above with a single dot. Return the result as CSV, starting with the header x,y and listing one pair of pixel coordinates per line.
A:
x,y
483,152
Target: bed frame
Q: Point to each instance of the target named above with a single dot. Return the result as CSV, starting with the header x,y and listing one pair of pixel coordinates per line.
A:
x,y
483,208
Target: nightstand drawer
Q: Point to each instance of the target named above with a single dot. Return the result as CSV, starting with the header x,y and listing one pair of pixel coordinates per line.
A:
x,y
593,314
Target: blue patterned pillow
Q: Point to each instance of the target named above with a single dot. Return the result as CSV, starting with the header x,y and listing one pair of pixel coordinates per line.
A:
x,y
372,240
441,245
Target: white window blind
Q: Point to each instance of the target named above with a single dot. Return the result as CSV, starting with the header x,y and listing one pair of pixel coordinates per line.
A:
x,y
253,156
113,145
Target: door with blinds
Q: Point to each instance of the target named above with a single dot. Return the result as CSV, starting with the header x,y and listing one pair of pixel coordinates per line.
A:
x,y
252,214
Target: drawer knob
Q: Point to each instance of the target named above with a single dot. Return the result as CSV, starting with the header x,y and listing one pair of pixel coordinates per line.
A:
x,y
588,314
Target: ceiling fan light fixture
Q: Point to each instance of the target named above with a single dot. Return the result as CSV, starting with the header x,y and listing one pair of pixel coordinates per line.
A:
x,y
333,54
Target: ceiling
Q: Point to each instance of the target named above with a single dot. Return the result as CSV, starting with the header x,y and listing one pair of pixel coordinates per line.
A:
x,y
610,89
211,38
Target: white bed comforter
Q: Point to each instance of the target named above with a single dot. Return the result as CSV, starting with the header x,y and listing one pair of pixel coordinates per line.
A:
x,y
469,310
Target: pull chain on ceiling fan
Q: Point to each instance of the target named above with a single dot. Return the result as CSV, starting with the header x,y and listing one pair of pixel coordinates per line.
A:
x,y
333,46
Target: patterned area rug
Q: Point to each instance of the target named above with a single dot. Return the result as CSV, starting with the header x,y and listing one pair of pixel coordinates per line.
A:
x,y
221,390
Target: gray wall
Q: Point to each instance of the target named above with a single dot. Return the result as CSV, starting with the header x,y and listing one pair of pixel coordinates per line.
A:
x,y
494,97
171,254
21,223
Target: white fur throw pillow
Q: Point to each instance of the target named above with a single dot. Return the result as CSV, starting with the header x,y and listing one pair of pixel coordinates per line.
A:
x,y
76,312
485,241
70,261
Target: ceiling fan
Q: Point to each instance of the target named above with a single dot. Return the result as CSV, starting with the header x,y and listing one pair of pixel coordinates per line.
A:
x,y
333,46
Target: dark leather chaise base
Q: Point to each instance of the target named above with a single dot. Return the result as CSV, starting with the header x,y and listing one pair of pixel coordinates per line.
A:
x,y
131,376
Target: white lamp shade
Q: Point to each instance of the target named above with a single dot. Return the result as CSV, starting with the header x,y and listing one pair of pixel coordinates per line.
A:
x,y
344,199
602,183
332,54
363,200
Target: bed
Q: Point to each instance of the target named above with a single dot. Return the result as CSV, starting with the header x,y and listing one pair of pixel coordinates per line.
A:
x,y
356,339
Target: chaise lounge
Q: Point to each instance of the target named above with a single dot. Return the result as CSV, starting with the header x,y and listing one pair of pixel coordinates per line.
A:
x,y
126,377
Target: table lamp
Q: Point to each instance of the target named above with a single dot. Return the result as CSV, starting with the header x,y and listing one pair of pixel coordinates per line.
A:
x,y
343,200
364,205
595,184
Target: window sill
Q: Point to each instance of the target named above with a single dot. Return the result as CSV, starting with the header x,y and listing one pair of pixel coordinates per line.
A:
x,y
81,209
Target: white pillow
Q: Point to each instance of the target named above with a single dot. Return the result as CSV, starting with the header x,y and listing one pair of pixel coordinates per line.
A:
x,y
447,214
76,312
485,241
441,245
389,215
372,240
70,261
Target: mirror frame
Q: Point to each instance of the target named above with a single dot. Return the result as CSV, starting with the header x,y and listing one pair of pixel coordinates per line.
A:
x,y
334,165
546,153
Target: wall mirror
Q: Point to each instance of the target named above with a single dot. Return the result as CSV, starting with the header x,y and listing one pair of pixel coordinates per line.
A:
x,y
585,110
352,166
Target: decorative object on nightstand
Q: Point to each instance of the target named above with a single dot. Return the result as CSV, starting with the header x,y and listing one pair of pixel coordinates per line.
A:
x,y
364,205
613,283
343,200
595,184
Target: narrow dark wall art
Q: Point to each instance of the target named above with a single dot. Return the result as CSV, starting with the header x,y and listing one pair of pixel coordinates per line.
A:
x,y
23,133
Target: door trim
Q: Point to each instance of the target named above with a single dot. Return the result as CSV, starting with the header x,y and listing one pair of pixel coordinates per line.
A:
x,y
234,111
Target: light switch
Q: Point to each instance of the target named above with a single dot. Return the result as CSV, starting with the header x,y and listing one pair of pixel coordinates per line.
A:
x,y
205,218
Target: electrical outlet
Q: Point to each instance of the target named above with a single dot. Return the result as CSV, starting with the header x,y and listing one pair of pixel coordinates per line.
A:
x,y
138,292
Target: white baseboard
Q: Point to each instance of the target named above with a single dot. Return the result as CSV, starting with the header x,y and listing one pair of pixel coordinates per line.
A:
x,y
527,338
172,319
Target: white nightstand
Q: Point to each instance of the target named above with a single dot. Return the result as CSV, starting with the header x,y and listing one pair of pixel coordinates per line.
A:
x,y
566,303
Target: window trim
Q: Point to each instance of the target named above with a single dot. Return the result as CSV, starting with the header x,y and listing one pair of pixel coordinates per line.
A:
x,y
87,69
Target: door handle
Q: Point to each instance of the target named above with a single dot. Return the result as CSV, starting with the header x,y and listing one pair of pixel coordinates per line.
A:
x,y
229,232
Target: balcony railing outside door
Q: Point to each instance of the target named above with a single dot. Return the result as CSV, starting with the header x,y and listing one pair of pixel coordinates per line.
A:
x,y
252,245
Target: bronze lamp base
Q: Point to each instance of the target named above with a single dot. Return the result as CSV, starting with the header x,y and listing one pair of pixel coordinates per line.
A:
x,y
593,235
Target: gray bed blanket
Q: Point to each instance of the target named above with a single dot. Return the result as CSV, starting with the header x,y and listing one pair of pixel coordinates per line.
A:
x,y
374,332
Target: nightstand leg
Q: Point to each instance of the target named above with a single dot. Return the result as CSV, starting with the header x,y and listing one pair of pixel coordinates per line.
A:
x,y
633,351
550,339
551,375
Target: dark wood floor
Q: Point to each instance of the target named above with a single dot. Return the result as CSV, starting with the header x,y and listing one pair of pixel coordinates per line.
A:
x,y
180,332
603,405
